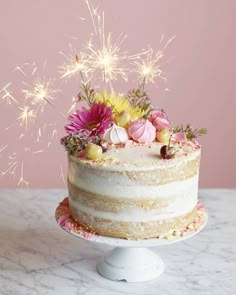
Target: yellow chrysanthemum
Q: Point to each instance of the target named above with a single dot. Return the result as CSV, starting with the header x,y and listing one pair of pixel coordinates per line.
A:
x,y
119,104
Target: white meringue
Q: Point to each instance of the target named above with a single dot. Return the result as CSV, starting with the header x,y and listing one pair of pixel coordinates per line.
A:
x,y
116,134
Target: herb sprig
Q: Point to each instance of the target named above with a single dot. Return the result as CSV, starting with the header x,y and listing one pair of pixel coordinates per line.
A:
x,y
87,93
189,131
140,98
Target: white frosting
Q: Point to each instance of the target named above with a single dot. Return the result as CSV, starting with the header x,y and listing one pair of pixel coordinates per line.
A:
x,y
100,178
179,207
120,186
138,157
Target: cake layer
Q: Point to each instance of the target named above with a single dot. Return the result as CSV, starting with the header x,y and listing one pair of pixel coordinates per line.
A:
x,y
131,229
138,183
166,200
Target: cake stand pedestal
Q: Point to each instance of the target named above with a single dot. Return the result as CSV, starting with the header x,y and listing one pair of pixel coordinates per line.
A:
x,y
130,265
130,260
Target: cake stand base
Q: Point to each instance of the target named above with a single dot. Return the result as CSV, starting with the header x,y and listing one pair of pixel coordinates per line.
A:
x,y
130,265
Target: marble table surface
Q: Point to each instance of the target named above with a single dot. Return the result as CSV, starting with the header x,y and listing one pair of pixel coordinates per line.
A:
x,y
37,257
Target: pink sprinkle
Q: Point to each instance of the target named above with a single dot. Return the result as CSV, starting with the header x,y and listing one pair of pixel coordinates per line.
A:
x,y
68,225
87,235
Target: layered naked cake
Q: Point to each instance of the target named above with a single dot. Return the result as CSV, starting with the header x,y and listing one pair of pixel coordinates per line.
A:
x,y
132,173
132,192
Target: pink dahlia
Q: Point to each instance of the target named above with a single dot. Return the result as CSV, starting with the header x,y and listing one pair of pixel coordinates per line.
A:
x,y
94,120
159,119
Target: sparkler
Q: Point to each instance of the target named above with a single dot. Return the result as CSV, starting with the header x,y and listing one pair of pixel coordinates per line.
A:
x,y
76,64
108,58
34,95
101,54
148,66
41,93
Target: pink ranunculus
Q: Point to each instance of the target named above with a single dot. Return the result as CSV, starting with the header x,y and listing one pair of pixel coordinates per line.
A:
x,y
94,120
159,119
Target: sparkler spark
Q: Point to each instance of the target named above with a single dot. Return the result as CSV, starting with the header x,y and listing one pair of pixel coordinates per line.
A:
x,y
26,115
62,174
38,152
73,105
13,164
7,94
11,169
22,181
3,148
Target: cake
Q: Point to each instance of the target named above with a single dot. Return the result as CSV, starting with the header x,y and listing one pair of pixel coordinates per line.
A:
x,y
131,173
133,193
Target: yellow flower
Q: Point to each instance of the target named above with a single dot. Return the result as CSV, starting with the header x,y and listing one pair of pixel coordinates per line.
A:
x,y
119,103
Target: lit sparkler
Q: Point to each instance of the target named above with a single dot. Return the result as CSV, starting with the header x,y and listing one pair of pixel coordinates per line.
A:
x,y
101,54
76,64
108,58
41,93
148,66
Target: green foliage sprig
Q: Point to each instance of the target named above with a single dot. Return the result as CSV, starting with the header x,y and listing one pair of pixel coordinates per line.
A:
x,y
189,131
87,93
74,144
140,98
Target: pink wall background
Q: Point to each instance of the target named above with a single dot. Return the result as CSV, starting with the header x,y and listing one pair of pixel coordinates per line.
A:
x,y
200,64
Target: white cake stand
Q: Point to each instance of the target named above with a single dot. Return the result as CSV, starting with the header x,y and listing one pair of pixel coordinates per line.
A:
x,y
131,260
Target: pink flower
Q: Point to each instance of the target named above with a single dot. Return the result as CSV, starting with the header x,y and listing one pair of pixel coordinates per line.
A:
x,y
159,119
95,120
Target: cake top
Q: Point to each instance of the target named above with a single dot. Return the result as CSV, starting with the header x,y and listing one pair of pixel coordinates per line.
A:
x,y
125,129
137,156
